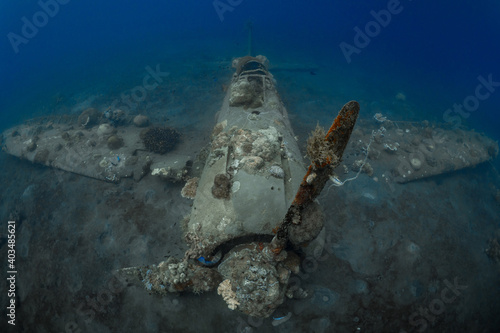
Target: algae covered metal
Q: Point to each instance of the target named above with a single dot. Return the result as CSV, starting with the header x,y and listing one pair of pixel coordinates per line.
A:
x,y
94,146
254,166
253,206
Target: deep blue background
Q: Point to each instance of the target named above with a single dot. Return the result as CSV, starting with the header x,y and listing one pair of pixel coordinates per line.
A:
x,y
433,50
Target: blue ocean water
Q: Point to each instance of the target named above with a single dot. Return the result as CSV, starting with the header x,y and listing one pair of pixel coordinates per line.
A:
x,y
433,52
412,60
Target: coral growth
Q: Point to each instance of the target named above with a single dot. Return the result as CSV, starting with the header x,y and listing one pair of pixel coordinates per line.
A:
x,y
221,187
247,93
416,163
198,245
250,149
89,117
105,129
115,142
116,117
218,128
262,143
174,271
160,140
189,190
319,150
141,120
259,282
277,172
228,294
248,88
174,275
252,163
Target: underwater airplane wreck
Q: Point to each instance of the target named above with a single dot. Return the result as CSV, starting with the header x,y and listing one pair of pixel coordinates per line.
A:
x,y
254,201
254,204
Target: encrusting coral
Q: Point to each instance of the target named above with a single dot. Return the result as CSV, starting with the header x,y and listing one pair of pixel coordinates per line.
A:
x,y
175,275
247,93
221,187
225,289
189,190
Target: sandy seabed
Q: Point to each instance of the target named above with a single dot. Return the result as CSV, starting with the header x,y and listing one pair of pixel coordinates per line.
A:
x,y
398,257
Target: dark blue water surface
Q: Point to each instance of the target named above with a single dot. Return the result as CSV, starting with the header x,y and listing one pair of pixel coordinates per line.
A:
x,y
433,52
